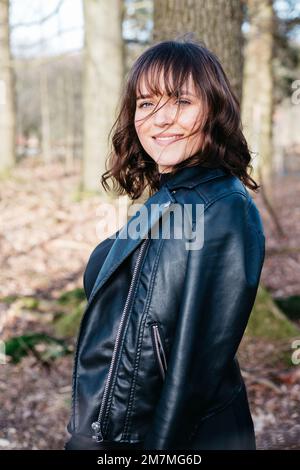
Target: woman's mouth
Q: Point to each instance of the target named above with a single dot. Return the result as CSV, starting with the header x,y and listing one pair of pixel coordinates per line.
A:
x,y
167,140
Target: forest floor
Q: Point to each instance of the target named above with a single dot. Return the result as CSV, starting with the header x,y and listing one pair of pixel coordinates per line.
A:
x,y
47,234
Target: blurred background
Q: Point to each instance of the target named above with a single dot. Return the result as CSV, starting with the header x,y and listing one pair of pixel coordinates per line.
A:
x,y
62,67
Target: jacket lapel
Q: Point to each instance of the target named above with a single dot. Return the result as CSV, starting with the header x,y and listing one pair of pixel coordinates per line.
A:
x,y
125,243
153,209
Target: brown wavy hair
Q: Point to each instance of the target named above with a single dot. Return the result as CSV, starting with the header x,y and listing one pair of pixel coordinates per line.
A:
x,y
129,165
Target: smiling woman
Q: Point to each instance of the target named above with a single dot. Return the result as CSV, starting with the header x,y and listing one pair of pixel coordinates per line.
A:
x,y
155,364
177,109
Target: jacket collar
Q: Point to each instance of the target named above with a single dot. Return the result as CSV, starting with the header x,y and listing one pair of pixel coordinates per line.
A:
x,y
189,177
155,207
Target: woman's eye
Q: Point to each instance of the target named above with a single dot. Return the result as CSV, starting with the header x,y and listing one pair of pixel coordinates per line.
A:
x,y
142,105
184,101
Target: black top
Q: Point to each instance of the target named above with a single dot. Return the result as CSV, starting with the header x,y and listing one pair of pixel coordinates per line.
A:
x,y
95,263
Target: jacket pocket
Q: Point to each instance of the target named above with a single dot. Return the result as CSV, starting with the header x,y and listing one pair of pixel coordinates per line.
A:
x,y
159,348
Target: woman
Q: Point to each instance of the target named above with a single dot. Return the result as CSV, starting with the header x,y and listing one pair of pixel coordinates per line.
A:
x,y
155,364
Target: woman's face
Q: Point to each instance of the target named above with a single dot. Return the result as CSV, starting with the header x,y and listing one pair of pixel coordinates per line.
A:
x,y
163,136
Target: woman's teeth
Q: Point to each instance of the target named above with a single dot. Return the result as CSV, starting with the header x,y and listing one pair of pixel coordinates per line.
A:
x,y
167,139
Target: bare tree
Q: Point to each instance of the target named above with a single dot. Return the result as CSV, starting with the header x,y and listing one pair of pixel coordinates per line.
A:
x,y
7,102
257,110
103,75
45,115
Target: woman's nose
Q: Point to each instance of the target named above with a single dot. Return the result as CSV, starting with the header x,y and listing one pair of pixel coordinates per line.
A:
x,y
164,114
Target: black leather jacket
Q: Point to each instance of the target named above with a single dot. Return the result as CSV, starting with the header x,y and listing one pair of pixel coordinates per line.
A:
x,y
156,350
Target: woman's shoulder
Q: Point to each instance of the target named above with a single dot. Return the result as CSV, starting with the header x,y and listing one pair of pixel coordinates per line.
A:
x,y
223,203
226,191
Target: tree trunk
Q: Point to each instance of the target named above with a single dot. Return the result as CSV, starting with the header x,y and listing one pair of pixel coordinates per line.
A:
x,y
45,114
257,109
7,100
70,114
103,76
216,23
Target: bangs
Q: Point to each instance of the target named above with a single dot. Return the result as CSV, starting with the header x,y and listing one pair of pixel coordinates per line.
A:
x,y
170,70
173,72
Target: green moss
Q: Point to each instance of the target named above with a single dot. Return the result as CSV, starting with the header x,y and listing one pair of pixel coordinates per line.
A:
x,y
72,297
18,347
290,306
9,299
67,325
268,321
30,303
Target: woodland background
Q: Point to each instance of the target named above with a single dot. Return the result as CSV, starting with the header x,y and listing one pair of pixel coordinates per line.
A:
x,y
62,66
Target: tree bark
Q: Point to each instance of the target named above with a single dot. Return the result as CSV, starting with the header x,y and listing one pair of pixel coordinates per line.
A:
x,y
7,98
103,75
45,114
257,109
216,23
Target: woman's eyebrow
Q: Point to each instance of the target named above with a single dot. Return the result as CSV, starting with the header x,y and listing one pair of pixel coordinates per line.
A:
x,y
142,97
183,92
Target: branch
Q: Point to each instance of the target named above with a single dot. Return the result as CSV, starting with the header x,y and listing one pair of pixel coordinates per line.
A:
x,y
41,42
42,20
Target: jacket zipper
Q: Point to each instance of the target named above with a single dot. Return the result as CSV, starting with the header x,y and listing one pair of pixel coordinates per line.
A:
x,y
159,349
97,426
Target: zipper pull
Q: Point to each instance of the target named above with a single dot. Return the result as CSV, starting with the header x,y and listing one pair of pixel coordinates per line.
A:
x,y
96,427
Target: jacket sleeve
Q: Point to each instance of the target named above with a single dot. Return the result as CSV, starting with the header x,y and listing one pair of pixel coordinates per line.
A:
x,y
219,291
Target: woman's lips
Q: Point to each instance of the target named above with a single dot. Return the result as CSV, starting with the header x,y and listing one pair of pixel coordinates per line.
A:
x,y
162,141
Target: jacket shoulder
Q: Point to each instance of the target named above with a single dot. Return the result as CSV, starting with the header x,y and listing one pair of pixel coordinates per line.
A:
x,y
213,190
208,192
226,194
